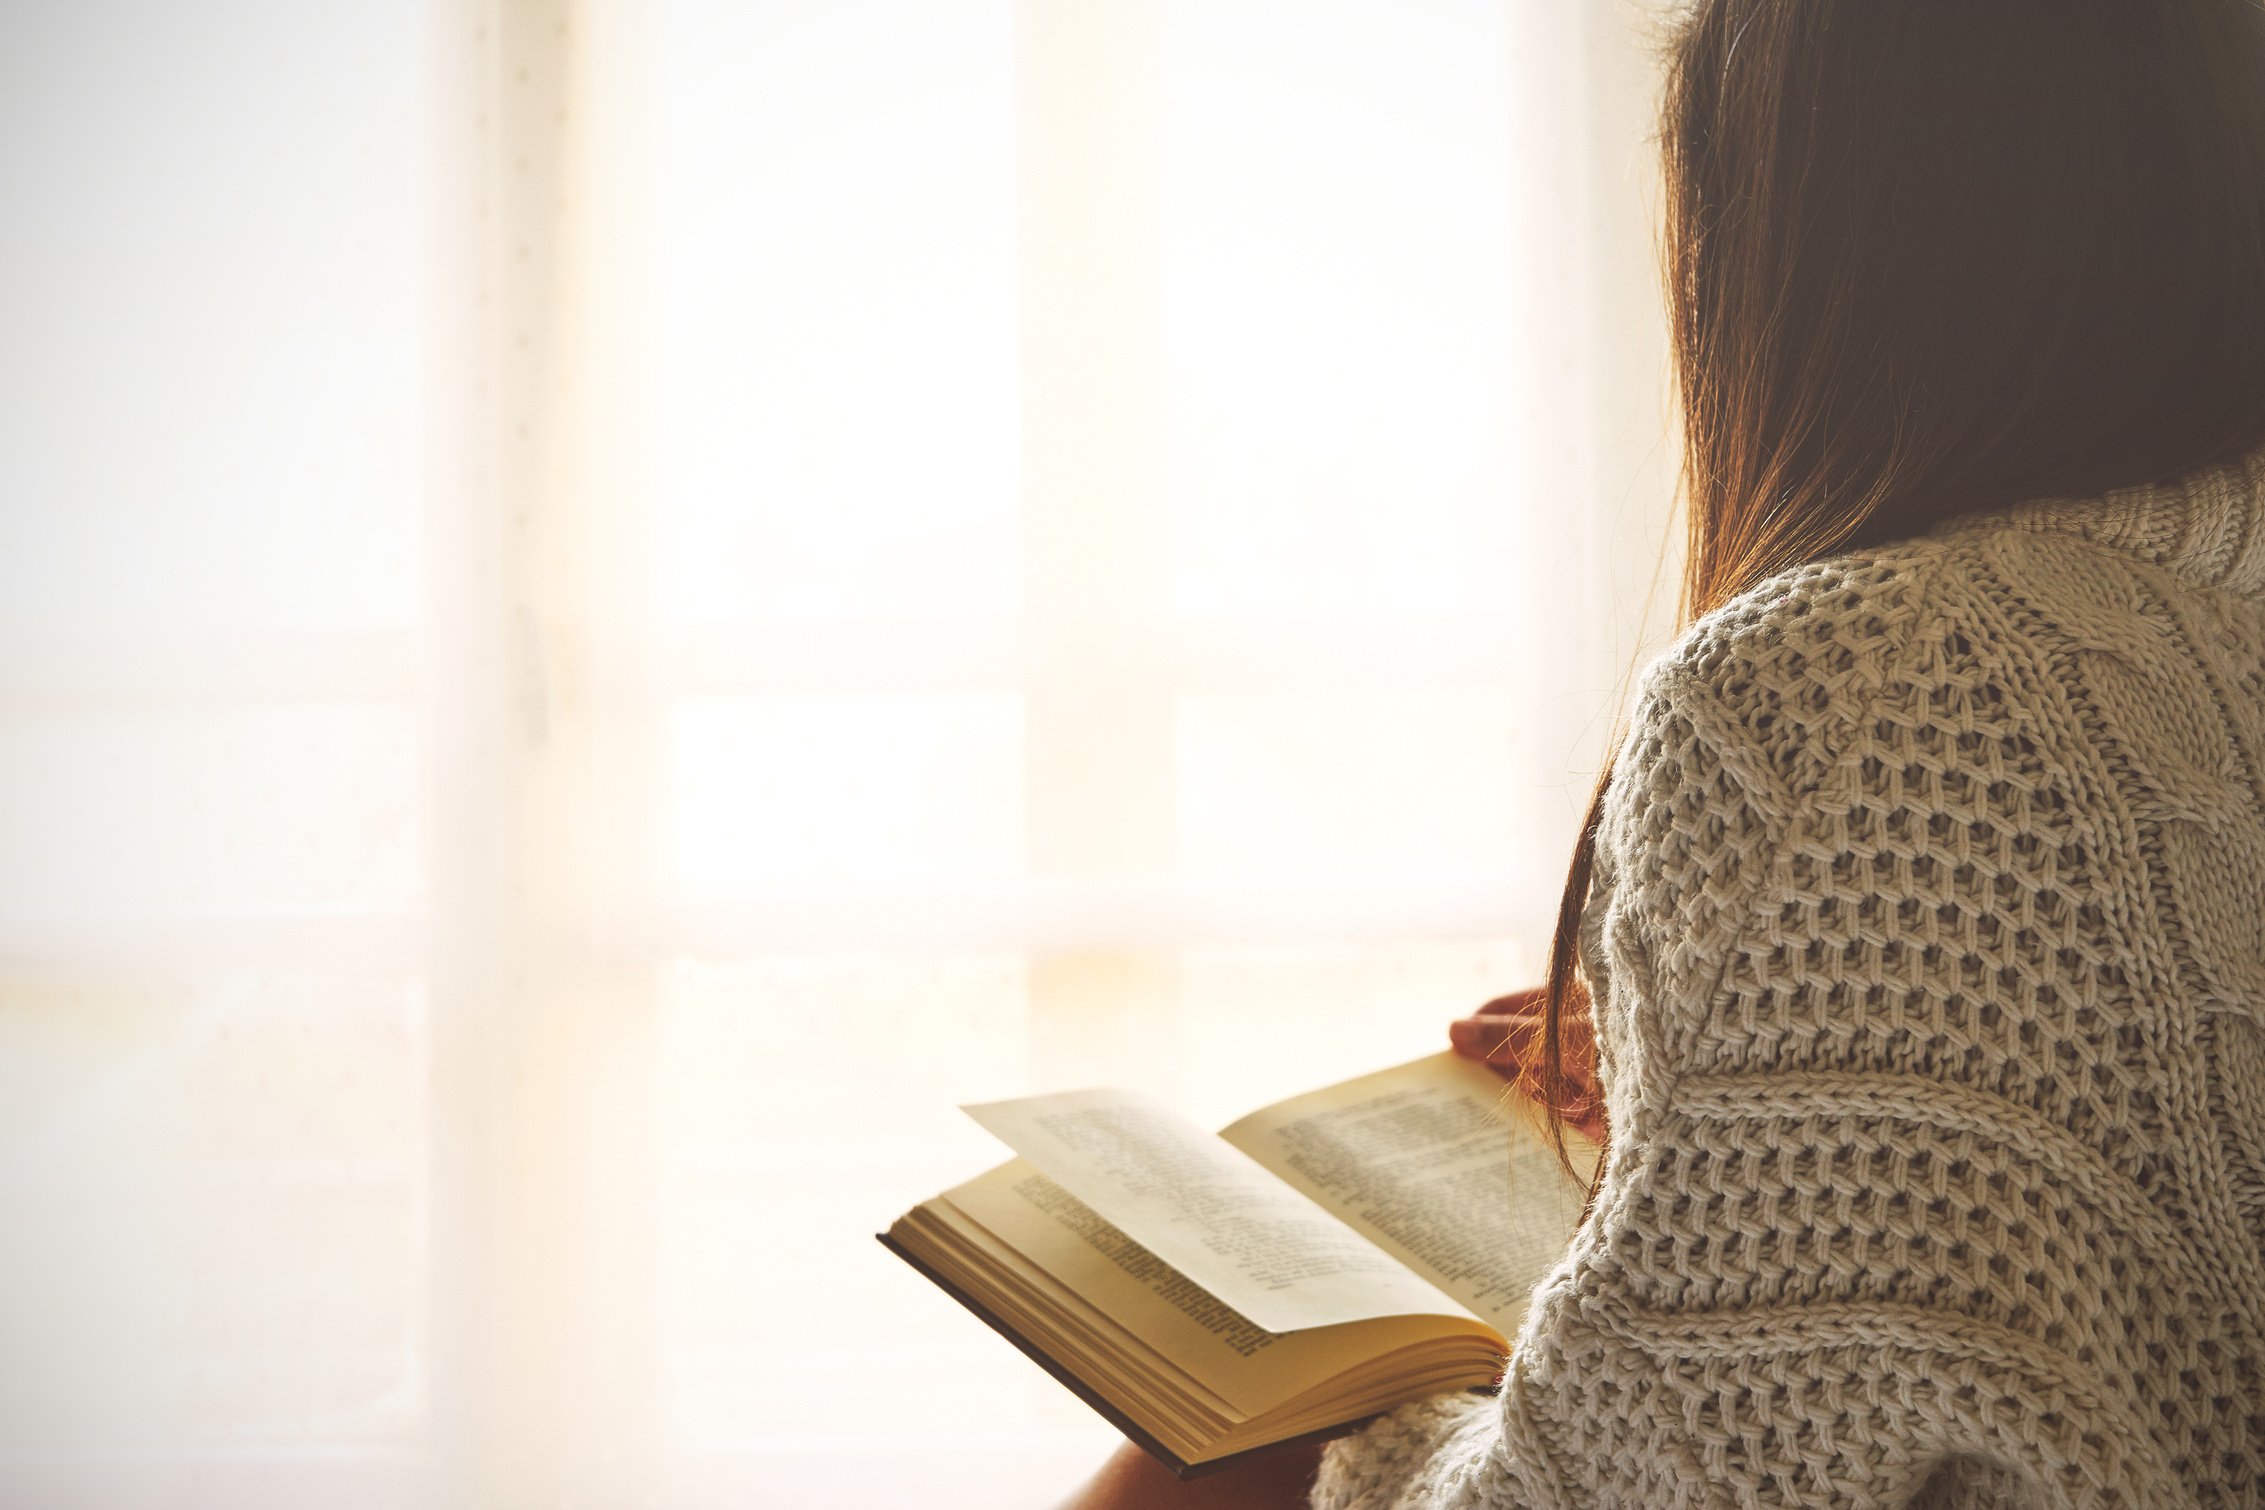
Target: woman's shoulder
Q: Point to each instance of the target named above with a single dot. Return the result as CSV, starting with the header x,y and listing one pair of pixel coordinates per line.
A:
x,y
1787,670
1934,636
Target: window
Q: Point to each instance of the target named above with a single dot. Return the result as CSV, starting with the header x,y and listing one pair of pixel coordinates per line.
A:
x,y
607,609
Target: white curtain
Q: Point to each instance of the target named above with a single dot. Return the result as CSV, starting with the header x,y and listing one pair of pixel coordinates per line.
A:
x,y
607,606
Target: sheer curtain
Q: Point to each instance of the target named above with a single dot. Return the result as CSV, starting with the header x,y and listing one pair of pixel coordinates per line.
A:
x,y
607,606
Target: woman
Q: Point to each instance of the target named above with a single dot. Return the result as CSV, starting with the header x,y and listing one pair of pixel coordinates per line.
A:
x,y
1922,911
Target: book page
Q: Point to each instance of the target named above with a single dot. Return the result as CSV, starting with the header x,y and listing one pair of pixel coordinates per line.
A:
x,y
1251,1369
1423,1160
1210,1211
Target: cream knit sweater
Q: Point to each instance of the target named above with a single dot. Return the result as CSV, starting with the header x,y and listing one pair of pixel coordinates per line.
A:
x,y
1928,946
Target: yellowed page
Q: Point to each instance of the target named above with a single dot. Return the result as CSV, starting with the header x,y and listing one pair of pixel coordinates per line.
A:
x,y
1251,1368
1207,1209
1423,1161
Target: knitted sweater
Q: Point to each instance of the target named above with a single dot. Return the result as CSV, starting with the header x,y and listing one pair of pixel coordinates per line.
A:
x,y
1927,948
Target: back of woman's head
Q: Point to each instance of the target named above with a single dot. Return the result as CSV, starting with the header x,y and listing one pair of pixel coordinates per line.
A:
x,y
1929,256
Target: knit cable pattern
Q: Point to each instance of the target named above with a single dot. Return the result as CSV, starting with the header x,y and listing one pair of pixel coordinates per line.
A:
x,y
1927,947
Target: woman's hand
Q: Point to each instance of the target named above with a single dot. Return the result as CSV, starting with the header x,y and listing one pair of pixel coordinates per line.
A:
x,y
1132,1480
1506,1035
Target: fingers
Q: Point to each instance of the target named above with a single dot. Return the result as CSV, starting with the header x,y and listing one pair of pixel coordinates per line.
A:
x,y
1497,1039
1505,1040
1488,1040
1530,999
1505,1043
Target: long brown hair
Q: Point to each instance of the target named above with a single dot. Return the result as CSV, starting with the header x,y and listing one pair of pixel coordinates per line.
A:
x,y
1926,257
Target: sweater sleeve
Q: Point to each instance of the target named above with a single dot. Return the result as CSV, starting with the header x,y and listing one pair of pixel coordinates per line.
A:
x,y
1844,1255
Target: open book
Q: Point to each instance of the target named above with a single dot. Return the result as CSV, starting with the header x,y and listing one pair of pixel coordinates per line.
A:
x,y
1321,1260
